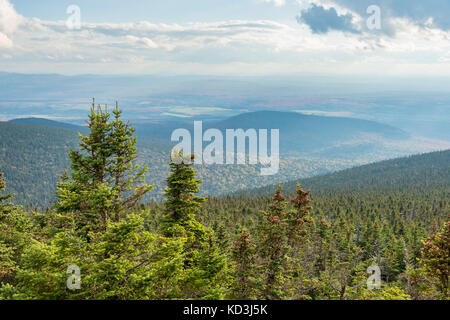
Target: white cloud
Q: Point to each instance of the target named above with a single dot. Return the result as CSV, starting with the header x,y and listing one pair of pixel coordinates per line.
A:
x,y
346,114
222,47
9,18
195,111
5,42
9,22
141,42
445,58
277,3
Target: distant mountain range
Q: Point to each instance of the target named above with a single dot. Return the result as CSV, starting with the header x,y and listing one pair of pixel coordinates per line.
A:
x,y
48,123
308,134
417,106
422,172
300,135
33,151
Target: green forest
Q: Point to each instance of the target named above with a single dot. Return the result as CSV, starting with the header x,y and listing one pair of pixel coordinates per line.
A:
x,y
323,238
33,153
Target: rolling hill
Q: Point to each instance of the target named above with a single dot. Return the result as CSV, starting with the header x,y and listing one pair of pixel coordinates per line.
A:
x,y
424,171
34,151
32,156
306,133
48,123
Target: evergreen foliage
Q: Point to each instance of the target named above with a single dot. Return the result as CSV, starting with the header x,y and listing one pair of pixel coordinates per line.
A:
x,y
316,245
104,181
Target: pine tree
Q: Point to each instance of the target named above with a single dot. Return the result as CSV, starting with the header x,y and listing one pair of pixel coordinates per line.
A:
x,y
2,188
104,180
273,244
15,235
128,177
299,234
244,273
299,219
436,257
182,205
299,222
205,265
99,229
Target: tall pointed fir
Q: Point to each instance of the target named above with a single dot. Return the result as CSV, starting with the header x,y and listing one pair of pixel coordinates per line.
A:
x,y
102,233
205,265
435,258
15,235
2,188
182,204
244,272
273,247
299,234
104,180
299,218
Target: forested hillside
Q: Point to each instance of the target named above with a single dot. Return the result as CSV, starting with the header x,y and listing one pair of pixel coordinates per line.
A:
x,y
102,240
418,172
31,157
307,133
34,151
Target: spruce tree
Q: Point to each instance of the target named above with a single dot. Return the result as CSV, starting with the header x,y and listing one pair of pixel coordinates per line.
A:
x,y
244,273
104,180
299,218
15,235
205,265
436,258
98,230
3,197
182,204
299,234
273,245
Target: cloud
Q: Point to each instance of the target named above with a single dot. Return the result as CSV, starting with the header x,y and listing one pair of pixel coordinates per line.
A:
x,y
322,20
9,22
445,58
169,114
251,47
418,11
195,111
345,114
426,14
142,42
5,42
277,3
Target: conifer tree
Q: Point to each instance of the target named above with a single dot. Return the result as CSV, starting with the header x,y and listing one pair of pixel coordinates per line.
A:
x,y
15,228
104,180
2,188
98,229
299,222
299,218
182,204
299,233
127,176
273,244
244,274
436,257
205,265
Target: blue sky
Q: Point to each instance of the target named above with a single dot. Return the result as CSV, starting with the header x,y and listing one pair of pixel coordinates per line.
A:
x,y
226,37
168,11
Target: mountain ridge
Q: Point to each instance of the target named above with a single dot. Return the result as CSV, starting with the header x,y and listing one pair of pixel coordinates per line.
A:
x,y
427,170
34,151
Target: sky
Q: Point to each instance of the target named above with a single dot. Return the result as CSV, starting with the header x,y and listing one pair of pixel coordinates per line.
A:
x,y
226,37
